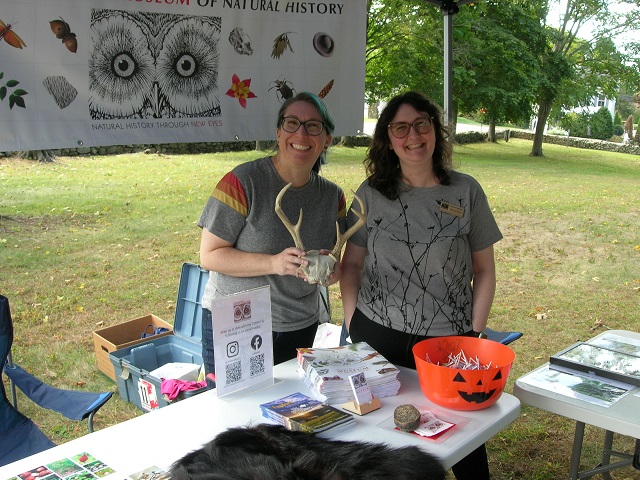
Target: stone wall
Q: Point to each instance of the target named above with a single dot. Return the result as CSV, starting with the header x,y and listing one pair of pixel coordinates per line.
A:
x,y
580,142
167,148
358,141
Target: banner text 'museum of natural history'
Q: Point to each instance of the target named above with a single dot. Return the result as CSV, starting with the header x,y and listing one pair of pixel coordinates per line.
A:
x,y
118,72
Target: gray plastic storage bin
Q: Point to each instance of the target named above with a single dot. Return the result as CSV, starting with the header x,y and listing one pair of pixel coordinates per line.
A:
x,y
133,364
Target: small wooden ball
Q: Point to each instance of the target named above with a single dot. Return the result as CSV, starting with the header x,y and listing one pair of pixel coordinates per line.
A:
x,y
406,417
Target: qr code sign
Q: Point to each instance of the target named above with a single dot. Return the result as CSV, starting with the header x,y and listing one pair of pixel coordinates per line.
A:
x,y
256,365
233,372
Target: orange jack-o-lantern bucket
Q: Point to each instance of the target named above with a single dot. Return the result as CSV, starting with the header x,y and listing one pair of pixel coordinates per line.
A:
x,y
461,389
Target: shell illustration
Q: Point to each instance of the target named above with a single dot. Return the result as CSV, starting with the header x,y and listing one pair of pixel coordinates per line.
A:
x,y
323,44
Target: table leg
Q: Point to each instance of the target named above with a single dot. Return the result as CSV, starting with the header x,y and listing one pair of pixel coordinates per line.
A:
x,y
577,450
605,466
606,452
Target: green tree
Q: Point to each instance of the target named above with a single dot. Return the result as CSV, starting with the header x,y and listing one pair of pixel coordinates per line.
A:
x,y
402,51
495,69
616,119
577,124
601,124
575,69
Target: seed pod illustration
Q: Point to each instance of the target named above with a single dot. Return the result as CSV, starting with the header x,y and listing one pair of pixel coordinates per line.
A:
x,y
327,88
62,30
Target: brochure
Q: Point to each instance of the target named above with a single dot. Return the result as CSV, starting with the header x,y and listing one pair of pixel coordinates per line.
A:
x,y
326,372
299,412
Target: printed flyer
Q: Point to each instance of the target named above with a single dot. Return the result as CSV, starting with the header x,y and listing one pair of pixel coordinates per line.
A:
x,y
242,339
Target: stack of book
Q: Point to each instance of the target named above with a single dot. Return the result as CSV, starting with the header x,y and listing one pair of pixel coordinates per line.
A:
x,y
301,413
326,372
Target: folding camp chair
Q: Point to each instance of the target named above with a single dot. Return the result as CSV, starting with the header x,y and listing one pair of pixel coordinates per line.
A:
x,y
502,337
19,436
497,336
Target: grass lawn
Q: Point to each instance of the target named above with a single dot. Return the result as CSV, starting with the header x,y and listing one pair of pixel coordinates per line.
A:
x,y
91,242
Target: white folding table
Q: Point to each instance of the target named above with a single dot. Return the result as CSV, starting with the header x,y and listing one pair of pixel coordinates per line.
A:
x,y
163,436
621,417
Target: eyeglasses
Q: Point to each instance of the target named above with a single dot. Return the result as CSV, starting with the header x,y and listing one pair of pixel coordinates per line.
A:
x,y
292,124
402,129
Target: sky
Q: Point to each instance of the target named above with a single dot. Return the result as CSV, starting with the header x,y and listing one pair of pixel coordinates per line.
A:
x,y
586,31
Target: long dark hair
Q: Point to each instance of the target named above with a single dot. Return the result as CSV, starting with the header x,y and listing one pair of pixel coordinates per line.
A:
x,y
327,120
382,163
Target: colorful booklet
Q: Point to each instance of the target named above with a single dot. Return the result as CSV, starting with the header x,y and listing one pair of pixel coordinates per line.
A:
x,y
299,412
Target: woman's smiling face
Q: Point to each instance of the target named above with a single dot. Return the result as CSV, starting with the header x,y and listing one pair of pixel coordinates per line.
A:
x,y
415,147
300,147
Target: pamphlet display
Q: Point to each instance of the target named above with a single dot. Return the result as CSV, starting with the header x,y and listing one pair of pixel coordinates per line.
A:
x,y
601,371
600,361
326,372
242,340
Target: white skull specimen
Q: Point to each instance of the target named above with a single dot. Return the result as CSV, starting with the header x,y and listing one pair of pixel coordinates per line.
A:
x,y
320,266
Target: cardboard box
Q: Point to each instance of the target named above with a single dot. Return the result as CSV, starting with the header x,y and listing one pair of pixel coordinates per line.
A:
x,y
127,334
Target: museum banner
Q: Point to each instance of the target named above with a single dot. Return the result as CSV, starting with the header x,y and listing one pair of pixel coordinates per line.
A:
x,y
77,73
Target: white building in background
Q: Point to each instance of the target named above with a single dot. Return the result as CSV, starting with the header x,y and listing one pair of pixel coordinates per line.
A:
x,y
592,107
596,104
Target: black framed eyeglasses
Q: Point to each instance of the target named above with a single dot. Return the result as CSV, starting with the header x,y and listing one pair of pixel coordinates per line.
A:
x,y
292,124
402,129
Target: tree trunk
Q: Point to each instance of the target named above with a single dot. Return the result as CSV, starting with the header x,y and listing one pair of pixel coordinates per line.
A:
x,y
347,142
46,156
454,126
262,144
43,156
372,110
543,115
491,136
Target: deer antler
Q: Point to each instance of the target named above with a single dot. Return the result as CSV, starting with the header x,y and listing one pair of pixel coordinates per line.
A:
x,y
294,230
342,238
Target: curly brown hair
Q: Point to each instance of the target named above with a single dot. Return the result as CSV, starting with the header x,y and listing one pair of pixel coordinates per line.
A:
x,y
382,163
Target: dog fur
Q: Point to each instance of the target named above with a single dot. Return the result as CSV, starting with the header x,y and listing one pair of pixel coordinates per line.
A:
x,y
271,452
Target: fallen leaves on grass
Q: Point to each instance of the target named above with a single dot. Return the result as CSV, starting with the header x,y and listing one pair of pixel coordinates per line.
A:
x,y
597,324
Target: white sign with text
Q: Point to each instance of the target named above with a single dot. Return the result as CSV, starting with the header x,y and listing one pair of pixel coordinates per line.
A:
x,y
242,340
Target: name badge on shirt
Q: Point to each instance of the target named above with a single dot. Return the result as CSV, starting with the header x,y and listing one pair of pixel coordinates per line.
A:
x,y
451,209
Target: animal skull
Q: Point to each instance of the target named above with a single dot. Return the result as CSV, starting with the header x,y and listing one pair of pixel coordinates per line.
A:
x,y
320,266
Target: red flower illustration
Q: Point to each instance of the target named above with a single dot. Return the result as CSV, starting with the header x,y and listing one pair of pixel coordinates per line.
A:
x,y
240,90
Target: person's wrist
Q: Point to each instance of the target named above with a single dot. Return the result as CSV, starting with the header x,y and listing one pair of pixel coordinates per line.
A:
x,y
479,334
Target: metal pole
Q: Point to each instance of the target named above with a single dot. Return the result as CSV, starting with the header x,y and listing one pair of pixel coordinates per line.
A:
x,y
449,9
448,67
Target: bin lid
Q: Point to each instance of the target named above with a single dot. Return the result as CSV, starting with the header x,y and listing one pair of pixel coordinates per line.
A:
x,y
188,319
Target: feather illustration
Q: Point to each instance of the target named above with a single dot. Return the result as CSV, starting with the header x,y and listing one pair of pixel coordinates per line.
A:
x,y
280,44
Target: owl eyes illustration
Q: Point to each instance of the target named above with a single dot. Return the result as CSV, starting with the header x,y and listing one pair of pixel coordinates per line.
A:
x,y
145,65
